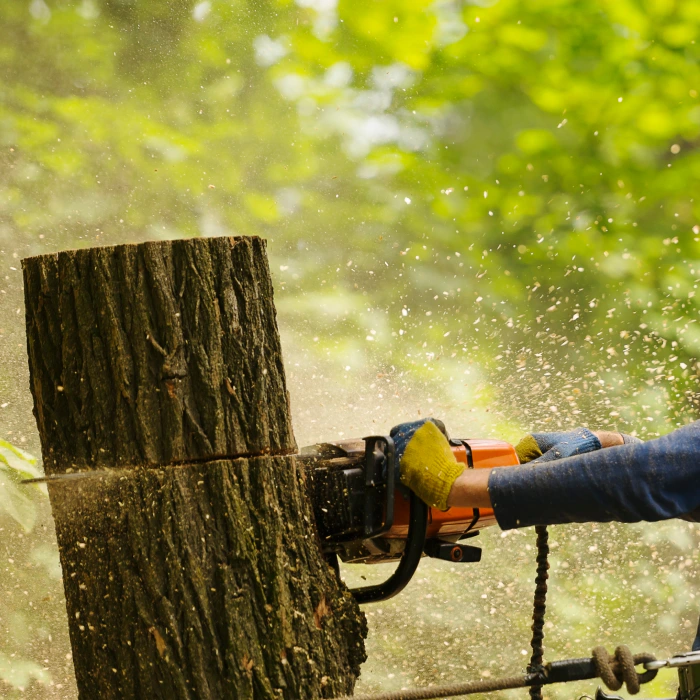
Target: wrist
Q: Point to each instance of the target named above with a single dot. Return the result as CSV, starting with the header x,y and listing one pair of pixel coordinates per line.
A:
x,y
608,438
470,490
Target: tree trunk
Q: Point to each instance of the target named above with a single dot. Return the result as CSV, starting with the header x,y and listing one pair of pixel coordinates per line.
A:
x,y
191,562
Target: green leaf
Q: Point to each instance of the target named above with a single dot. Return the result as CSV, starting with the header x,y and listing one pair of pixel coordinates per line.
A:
x,y
19,461
16,502
16,499
532,141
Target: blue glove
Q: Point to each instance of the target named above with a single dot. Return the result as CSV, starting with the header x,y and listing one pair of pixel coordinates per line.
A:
x,y
546,447
559,445
402,434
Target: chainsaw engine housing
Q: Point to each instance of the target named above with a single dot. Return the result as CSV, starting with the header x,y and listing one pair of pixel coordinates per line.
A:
x,y
355,526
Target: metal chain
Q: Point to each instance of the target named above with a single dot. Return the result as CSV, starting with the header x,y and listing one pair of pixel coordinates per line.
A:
x,y
539,607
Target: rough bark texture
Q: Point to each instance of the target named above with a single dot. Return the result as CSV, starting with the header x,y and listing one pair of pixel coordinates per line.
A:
x,y
203,581
155,353
193,569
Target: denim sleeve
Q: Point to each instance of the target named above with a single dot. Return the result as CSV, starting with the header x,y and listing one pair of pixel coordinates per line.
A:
x,y
650,481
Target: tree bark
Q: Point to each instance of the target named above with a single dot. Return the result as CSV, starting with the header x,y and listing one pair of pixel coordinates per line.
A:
x,y
155,353
191,562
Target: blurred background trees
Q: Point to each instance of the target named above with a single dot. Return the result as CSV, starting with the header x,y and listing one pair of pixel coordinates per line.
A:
x,y
482,210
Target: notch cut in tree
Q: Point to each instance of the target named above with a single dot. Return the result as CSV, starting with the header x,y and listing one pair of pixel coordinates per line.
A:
x,y
191,563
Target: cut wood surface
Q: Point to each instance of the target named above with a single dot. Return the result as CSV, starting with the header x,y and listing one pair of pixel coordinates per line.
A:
x,y
191,562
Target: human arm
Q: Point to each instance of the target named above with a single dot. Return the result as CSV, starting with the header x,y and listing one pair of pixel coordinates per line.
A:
x,y
471,488
429,468
650,481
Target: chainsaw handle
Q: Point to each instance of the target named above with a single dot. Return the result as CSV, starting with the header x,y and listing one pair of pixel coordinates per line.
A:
x,y
412,553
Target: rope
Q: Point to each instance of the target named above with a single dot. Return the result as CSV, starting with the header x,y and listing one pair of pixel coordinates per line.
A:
x,y
619,669
615,671
448,691
539,607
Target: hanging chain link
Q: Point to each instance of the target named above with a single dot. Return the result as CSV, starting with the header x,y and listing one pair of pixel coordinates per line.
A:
x,y
539,607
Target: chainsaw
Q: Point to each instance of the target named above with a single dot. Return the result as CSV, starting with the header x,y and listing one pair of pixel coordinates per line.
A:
x,y
364,515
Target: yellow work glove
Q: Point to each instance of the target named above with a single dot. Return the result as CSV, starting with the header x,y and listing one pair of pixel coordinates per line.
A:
x,y
528,449
427,465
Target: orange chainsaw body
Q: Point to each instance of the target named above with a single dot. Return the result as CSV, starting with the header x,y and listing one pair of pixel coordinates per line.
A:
x,y
454,521
364,516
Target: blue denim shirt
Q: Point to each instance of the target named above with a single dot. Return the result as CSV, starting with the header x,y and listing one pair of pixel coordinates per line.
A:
x,y
650,481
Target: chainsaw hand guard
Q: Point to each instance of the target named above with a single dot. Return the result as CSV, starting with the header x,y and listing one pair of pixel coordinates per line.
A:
x,y
379,497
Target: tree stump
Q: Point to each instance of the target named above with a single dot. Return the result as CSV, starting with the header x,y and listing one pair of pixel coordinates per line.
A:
x,y
191,563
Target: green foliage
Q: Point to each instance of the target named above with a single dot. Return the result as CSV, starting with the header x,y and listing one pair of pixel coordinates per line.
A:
x,y
19,673
524,174
16,500
22,507
493,203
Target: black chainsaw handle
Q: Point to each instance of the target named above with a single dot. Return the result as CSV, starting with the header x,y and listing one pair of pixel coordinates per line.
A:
x,y
412,553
